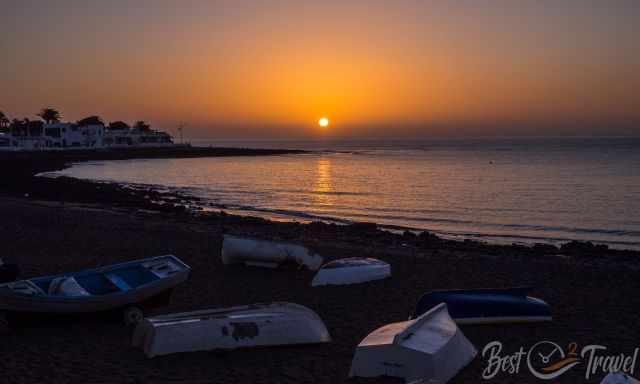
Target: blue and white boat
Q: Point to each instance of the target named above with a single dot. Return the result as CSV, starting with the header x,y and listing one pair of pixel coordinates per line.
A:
x,y
132,286
487,306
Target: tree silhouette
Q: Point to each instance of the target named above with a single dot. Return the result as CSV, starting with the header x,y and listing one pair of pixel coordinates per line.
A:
x,y
118,126
49,115
4,121
142,126
18,127
91,120
35,128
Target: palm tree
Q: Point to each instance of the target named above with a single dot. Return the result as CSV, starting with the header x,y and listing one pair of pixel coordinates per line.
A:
x,y
142,126
17,127
49,115
4,121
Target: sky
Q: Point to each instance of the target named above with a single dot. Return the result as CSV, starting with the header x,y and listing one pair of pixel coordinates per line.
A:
x,y
272,68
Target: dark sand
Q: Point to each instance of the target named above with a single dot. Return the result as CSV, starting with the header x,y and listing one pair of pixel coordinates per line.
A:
x,y
594,299
68,225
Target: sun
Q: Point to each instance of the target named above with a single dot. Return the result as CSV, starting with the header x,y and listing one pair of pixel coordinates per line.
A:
x,y
323,122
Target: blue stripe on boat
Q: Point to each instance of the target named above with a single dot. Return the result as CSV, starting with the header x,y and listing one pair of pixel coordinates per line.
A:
x,y
117,281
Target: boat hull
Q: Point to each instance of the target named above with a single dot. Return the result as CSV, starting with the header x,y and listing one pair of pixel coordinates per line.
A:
x,y
487,306
269,254
428,349
619,378
13,302
238,327
361,272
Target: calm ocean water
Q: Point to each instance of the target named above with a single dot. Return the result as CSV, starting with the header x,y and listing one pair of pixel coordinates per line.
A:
x,y
506,190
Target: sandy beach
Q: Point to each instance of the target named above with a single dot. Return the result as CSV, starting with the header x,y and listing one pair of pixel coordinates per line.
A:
x,y
592,291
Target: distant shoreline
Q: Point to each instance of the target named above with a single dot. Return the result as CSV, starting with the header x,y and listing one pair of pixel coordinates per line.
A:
x,y
30,163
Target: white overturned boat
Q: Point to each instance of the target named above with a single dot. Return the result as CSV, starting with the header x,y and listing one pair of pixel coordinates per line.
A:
x,y
351,271
619,378
237,327
428,349
263,253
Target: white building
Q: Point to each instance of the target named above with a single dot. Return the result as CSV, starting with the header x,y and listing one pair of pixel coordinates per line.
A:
x,y
63,135
72,136
136,138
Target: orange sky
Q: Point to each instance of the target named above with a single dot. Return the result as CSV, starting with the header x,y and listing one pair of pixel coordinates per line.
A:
x,y
272,68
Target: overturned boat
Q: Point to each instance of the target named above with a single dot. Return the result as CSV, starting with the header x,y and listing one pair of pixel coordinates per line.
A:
x,y
428,349
487,306
619,378
132,286
264,253
352,270
237,327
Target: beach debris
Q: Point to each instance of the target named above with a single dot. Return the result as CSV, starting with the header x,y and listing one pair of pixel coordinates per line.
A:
x,y
352,270
140,283
619,378
253,325
430,348
487,306
264,253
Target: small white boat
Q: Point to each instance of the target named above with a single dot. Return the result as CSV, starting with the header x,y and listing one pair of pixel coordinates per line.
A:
x,y
237,327
428,349
263,253
352,270
619,378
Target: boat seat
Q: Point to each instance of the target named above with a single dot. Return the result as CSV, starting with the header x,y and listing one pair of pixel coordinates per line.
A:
x,y
26,287
163,268
117,281
67,286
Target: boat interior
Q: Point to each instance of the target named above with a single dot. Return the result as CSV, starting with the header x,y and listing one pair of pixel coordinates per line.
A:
x,y
99,282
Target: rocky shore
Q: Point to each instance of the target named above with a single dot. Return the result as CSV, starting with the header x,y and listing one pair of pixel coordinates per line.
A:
x,y
56,225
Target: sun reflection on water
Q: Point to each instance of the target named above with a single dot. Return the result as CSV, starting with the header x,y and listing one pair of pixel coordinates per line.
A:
x,y
323,186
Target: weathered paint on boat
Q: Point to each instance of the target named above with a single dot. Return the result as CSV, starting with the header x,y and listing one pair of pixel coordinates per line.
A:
x,y
230,328
264,253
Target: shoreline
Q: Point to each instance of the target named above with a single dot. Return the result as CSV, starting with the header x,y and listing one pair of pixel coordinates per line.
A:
x,y
29,181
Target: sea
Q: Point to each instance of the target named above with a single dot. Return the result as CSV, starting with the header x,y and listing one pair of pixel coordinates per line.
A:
x,y
503,190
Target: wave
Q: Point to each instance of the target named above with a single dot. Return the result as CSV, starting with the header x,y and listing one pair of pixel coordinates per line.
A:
x,y
547,234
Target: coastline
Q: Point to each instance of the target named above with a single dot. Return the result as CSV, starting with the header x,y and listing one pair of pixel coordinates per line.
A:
x,y
65,224
22,181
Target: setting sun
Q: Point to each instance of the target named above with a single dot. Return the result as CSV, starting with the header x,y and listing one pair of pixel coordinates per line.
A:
x,y
324,122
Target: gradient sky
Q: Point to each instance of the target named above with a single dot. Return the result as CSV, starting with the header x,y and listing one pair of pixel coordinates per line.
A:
x,y
272,68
